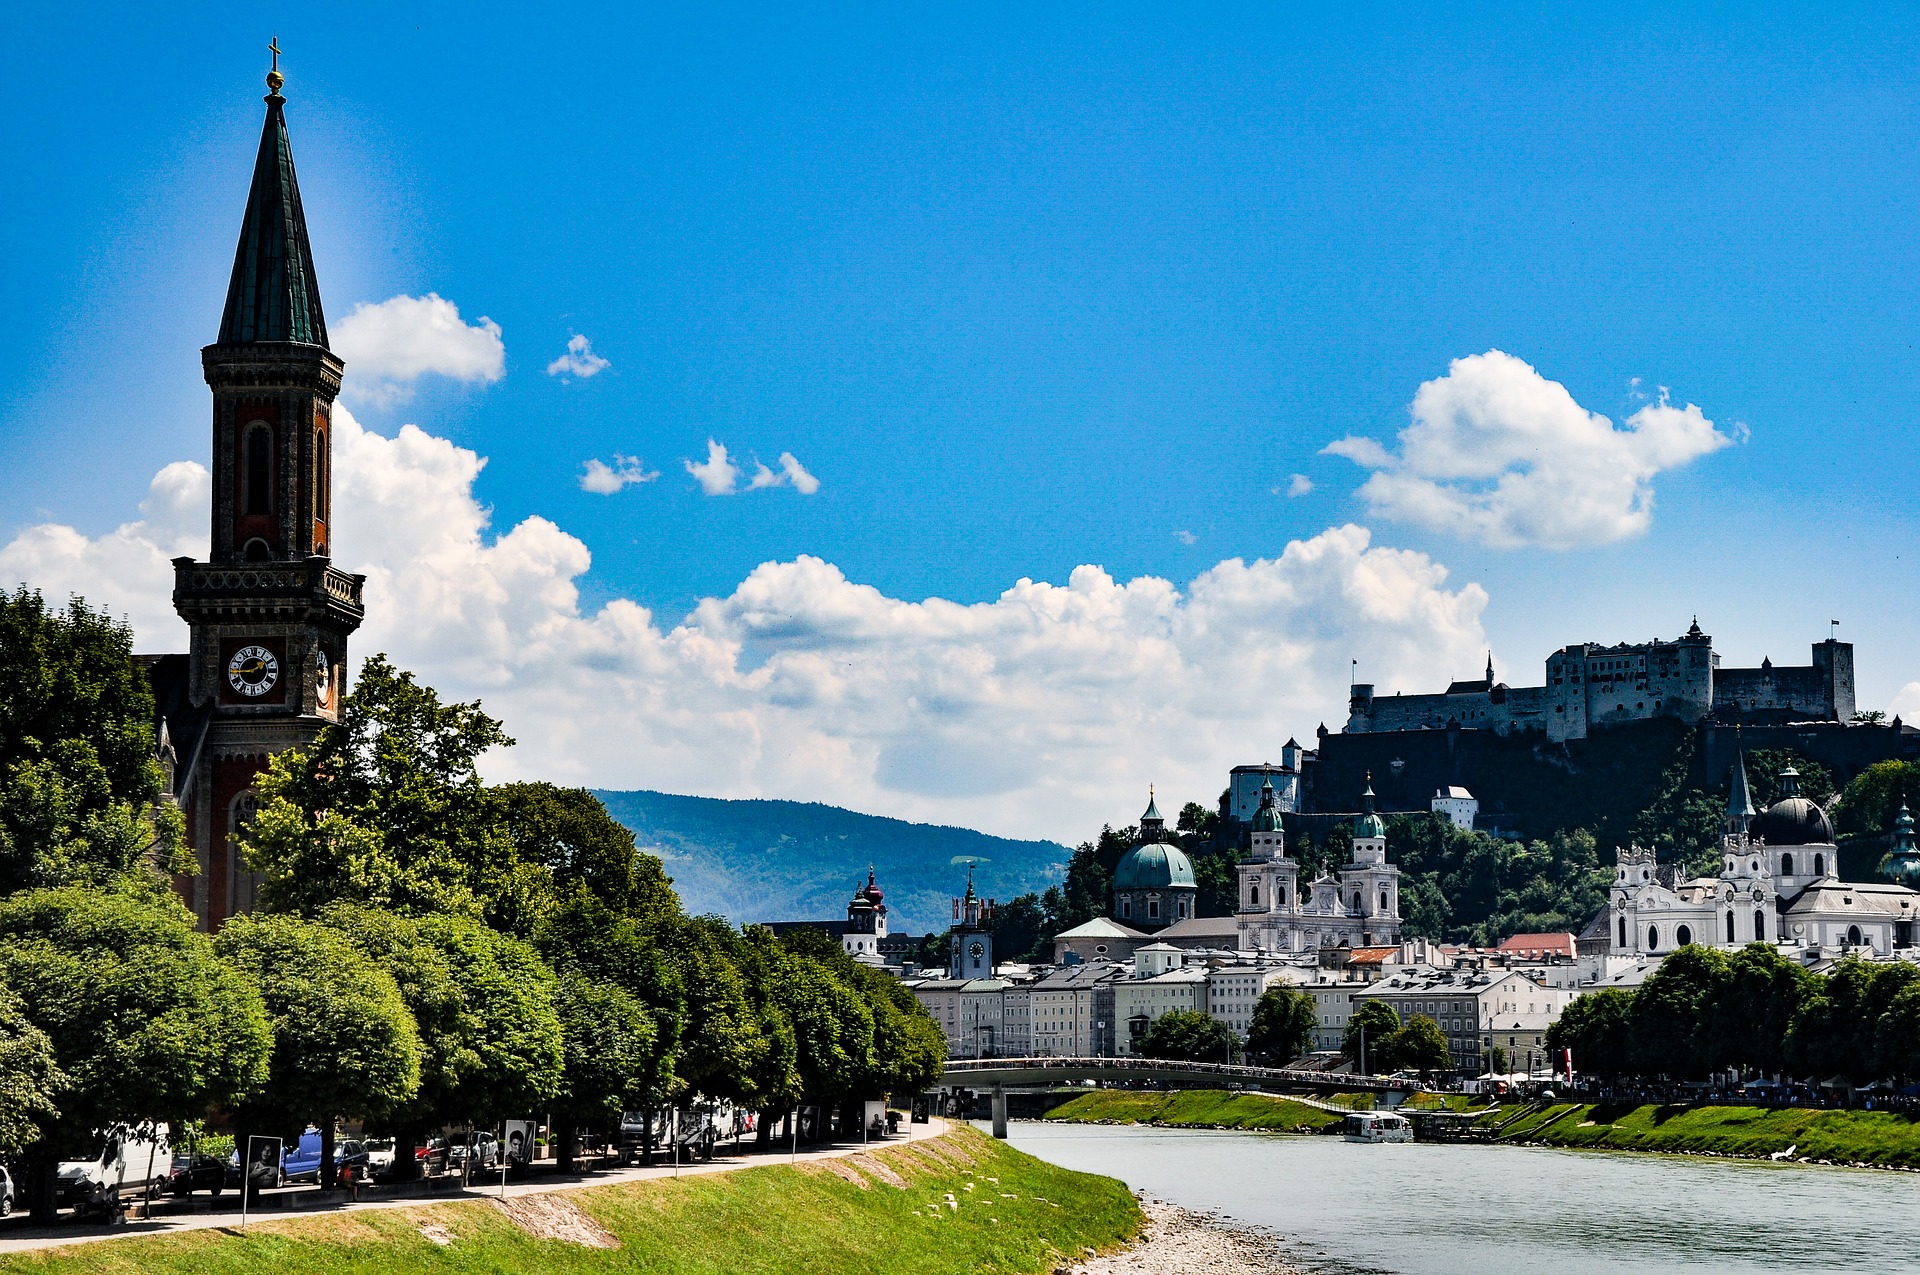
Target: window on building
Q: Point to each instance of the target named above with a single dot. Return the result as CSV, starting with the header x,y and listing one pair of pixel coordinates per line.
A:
x,y
1853,936
1653,938
1729,926
1623,931
259,469
1760,925
1153,908
1683,936
1786,865
1819,865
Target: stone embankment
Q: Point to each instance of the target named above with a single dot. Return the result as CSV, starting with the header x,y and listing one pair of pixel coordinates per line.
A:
x,y
1179,1241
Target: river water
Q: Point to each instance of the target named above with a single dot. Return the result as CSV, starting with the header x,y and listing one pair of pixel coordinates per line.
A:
x,y
1438,1209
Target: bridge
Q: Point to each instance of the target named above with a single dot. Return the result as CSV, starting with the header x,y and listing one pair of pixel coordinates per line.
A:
x,y
1002,1074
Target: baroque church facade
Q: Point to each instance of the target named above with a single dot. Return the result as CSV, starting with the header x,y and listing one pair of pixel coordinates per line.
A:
x,y
268,613
1361,908
1778,883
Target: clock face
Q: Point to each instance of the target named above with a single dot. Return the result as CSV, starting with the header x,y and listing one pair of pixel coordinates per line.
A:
x,y
253,671
976,951
323,678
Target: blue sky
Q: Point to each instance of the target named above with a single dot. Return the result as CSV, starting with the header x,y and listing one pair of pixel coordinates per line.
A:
x,y
1025,289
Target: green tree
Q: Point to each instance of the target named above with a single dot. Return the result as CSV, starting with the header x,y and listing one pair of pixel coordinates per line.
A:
x,y
1752,1010
1420,1046
1597,1027
29,1077
1021,929
1671,1011
1424,910
387,810
344,1043
611,1054
1764,767
1370,1032
1869,803
146,1023
1833,1031
1187,1035
568,834
1089,887
1282,1026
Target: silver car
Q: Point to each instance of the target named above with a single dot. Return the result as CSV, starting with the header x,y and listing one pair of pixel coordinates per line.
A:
x,y
6,1193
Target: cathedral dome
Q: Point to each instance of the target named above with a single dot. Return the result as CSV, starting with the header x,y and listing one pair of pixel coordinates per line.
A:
x,y
1154,866
1793,821
1267,817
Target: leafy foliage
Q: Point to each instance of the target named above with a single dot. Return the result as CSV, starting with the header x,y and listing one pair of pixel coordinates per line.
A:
x,y
1282,1026
1868,805
1419,1046
1189,1036
29,1077
1369,1036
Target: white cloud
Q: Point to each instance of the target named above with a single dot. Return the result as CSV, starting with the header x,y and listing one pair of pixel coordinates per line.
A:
x,y
1044,711
1500,454
1906,704
720,476
390,345
128,571
716,475
579,360
1300,485
603,479
1185,537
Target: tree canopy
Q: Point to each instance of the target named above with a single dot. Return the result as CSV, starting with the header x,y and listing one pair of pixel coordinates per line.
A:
x,y
1188,1035
1282,1026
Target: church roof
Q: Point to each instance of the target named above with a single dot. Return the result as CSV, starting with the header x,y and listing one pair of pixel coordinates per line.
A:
x,y
1100,928
1158,865
273,295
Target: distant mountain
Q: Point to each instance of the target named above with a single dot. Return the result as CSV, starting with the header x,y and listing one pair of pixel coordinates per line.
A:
x,y
797,861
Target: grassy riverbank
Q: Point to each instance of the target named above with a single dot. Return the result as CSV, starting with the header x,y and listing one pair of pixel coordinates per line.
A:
x,y
1196,1108
883,1212
1847,1137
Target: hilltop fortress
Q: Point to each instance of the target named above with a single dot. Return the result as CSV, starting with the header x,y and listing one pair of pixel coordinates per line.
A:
x,y
1590,687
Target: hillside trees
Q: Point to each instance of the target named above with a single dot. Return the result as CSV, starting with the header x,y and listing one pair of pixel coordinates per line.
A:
x,y
1868,804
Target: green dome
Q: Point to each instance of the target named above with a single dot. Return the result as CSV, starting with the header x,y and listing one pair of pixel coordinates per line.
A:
x,y
1367,823
1267,817
1155,866
1903,865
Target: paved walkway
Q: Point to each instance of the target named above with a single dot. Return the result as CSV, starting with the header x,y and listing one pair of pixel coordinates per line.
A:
x,y
16,1237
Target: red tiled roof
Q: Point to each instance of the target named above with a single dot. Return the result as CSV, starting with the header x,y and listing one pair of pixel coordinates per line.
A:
x,y
1557,944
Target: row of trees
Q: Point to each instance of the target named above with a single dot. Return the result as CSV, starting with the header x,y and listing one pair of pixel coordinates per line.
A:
x,y
1753,1012
431,950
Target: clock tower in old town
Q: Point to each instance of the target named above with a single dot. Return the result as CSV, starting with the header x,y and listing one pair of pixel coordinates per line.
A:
x,y
269,613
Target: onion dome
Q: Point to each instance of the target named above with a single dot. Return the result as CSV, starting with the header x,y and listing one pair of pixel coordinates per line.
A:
x,y
1793,820
1903,865
1368,823
870,892
1267,817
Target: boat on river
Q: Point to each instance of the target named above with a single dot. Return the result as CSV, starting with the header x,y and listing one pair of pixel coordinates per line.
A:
x,y
1377,1126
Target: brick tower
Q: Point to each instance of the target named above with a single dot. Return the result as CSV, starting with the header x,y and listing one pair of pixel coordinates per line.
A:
x,y
269,613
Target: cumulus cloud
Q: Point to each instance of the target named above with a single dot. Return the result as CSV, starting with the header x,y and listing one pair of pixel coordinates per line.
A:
x,y
128,571
1300,485
1498,453
720,476
716,475
1185,537
579,360
603,479
1906,703
1043,711
390,345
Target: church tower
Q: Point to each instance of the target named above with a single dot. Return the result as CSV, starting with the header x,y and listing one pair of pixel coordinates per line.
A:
x,y
268,612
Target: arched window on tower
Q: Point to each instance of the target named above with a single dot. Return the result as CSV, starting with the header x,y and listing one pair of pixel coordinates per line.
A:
x,y
1819,865
1853,936
1279,896
1683,936
1729,926
319,475
1653,938
259,463
1760,925
1356,900
1786,865
1253,895
1623,933
243,887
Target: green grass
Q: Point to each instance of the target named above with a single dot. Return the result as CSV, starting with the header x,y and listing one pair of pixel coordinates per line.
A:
x,y
1864,1137
1205,1108
772,1220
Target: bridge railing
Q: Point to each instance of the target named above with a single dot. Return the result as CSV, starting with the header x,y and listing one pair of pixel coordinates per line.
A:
x,y
1163,1066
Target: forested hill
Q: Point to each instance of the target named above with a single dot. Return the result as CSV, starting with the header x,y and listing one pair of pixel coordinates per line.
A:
x,y
795,861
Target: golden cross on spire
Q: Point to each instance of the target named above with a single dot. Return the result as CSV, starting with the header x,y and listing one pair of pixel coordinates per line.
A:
x,y
274,78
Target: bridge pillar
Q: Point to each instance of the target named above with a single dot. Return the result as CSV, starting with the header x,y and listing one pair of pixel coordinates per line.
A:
x,y
1000,1112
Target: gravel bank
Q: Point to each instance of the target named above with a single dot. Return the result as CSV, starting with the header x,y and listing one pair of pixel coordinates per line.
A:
x,y
1178,1241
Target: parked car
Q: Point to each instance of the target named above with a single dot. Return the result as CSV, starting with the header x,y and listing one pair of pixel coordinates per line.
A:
x,y
6,1193
432,1157
302,1160
380,1153
481,1146
195,1172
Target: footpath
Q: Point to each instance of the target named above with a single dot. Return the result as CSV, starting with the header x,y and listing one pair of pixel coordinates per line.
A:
x,y
16,1237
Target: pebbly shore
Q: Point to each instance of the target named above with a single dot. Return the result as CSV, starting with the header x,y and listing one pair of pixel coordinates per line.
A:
x,y
1178,1241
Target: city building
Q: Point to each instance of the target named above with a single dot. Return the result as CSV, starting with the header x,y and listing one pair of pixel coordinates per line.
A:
x,y
971,955
1073,1009
1278,914
1472,1007
1245,784
1101,939
970,1012
1233,991
1589,686
1153,883
268,614
863,935
1457,805
1162,982
1777,883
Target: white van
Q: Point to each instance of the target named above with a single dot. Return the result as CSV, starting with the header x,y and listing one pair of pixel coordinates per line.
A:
x,y
128,1158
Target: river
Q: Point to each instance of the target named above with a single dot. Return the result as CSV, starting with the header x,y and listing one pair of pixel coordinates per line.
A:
x,y
1439,1209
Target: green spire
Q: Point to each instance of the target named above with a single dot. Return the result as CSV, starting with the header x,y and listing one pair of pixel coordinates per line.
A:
x,y
1152,826
273,295
1903,865
1367,823
1739,796
1267,817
